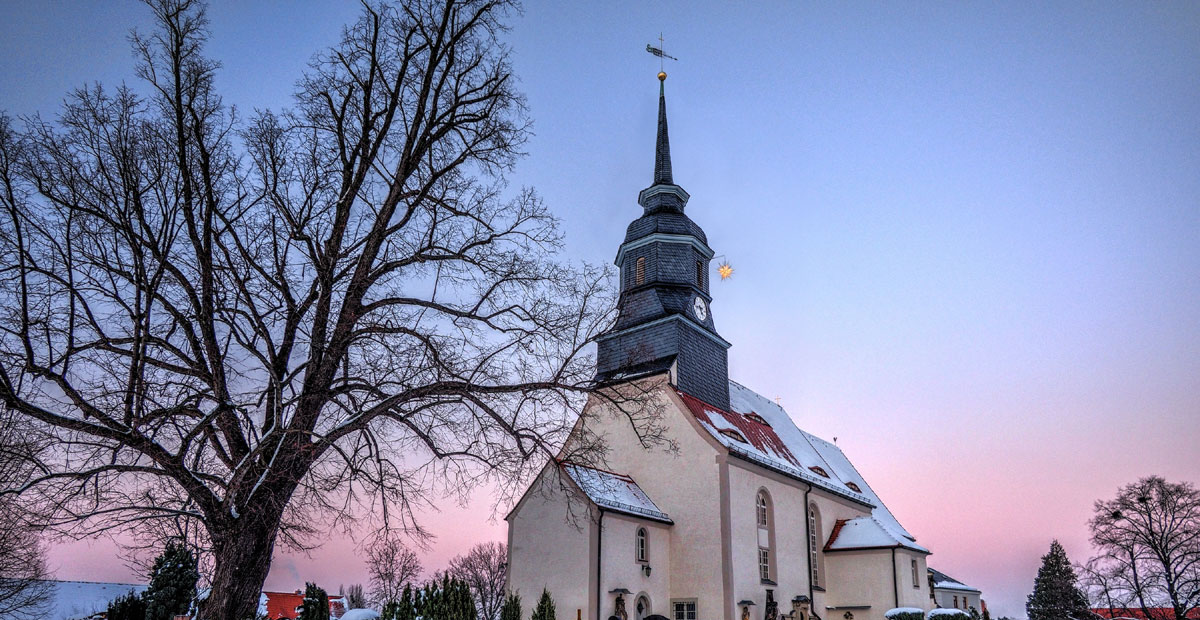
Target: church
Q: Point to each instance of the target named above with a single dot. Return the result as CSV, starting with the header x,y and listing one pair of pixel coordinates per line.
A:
x,y
747,517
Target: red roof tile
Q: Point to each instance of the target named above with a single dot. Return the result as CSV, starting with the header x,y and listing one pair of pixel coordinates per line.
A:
x,y
285,605
758,434
1136,613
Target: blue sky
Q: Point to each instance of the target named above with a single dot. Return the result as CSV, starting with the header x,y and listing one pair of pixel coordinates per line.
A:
x,y
966,235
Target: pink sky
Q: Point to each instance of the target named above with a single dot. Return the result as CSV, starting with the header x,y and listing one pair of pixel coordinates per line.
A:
x,y
966,236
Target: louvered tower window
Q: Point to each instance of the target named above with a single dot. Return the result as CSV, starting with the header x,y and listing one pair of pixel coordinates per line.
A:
x,y
639,272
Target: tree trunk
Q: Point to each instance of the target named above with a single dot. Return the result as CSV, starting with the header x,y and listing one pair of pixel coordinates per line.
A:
x,y
243,558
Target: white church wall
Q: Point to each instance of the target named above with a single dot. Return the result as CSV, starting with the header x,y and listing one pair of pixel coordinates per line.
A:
x,y
912,595
620,568
860,578
830,509
789,566
685,484
552,545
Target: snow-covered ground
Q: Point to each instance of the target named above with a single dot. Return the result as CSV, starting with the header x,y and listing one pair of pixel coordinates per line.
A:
x,y
79,599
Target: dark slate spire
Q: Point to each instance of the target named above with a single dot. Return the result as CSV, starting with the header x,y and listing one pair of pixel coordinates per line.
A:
x,y
662,151
663,194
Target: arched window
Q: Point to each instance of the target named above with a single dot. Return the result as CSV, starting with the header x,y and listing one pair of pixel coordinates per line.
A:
x,y
639,271
814,534
640,552
642,607
766,535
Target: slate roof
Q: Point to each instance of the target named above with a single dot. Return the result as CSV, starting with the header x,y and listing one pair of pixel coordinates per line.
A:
x,y
780,445
615,492
946,582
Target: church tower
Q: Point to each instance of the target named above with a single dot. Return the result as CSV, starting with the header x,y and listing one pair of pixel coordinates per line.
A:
x,y
664,322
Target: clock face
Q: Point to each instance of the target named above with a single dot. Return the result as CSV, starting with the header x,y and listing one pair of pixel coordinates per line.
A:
x,y
699,307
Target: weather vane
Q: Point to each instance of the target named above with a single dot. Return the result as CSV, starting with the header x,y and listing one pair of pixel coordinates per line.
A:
x,y
662,56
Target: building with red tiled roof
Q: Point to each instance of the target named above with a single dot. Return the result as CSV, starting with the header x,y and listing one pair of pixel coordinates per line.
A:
x,y
286,605
1137,613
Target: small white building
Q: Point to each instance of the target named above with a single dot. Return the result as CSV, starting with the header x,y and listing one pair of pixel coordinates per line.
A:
x,y
746,518
951,593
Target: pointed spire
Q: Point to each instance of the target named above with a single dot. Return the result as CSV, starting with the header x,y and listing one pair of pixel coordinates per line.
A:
x,y
663,193
662,151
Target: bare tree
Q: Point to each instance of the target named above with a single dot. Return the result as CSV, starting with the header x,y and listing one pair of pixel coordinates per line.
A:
x,y
356,598
1148,538
391,566
482,567
23,574
249,331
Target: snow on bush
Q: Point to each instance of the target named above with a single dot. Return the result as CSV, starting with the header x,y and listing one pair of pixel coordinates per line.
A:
x,y
905,613
360,614
948,614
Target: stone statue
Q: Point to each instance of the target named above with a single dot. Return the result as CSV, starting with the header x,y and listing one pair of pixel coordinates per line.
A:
x,y
621,613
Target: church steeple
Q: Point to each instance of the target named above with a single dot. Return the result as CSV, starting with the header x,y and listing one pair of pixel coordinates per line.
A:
x,y
662,151
663,194
663,322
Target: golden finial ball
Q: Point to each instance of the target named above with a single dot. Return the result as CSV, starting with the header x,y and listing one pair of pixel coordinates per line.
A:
x,y
662,76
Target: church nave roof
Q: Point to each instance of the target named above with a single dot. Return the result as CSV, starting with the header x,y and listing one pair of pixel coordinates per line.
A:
x,y
777,443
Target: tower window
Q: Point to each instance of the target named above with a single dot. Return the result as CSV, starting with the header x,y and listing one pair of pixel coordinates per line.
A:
x,y
641,544
700,275
639,271
916,582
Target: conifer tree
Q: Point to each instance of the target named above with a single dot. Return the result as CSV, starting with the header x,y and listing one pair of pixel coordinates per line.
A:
x,y
131,606
545,608
1056,594
172,583
316,603
512,607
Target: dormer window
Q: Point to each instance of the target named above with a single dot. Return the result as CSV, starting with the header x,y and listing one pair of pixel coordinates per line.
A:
x,y
639,271
819,471
757,418
734,435
854,487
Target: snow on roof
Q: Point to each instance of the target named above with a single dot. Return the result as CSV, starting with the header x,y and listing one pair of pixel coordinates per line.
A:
x,y
360,614
615,492
781,445
934,613
865,533
896,611
80,599
946,582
